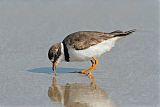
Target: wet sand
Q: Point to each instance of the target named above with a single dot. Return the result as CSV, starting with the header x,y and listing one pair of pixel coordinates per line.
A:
x,y
128,74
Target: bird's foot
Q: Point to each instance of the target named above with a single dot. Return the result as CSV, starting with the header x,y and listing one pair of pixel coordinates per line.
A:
x,y
83,72
90,76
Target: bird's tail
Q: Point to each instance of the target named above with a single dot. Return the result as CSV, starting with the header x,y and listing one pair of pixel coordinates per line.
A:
x,y
121,33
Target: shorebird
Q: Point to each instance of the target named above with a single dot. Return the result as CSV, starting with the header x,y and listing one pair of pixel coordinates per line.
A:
x,y
84,46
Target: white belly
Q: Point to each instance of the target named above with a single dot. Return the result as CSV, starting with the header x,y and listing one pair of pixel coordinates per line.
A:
x,y
93,51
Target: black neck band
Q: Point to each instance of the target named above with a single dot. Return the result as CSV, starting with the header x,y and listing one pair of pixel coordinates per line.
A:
x,y
66,54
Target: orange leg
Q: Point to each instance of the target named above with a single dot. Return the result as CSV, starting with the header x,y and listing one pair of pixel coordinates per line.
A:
x,y
87,69
91,68
94,65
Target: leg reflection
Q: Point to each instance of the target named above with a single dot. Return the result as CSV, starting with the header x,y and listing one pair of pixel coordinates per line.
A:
x,y
79,94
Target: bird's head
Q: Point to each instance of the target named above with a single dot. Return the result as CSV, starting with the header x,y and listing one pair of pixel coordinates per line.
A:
x,y
54,53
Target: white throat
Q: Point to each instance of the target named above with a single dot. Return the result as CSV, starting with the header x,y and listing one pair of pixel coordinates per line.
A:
x,y
61,57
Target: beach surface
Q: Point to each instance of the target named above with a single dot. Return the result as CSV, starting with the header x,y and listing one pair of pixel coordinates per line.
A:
x,y
128,74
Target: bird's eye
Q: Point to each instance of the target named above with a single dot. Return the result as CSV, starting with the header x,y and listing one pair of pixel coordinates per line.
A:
x,y
55,55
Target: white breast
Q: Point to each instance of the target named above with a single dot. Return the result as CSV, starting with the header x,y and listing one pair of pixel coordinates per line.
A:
x,y
93,51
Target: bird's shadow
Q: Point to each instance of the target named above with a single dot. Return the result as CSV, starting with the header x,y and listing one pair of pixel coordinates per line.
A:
x,y
48,70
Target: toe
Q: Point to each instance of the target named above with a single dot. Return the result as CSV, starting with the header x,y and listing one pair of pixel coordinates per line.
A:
x,y
83,72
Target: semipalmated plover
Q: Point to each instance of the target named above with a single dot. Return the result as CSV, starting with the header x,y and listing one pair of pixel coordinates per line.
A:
x,y
84,46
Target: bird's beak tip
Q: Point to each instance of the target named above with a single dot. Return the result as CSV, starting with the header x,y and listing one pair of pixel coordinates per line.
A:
x,y
54,64
53,68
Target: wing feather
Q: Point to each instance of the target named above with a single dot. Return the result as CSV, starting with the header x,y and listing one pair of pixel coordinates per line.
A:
x,y
84,39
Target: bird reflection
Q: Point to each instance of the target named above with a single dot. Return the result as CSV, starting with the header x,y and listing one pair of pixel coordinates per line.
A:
x,y
79,94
